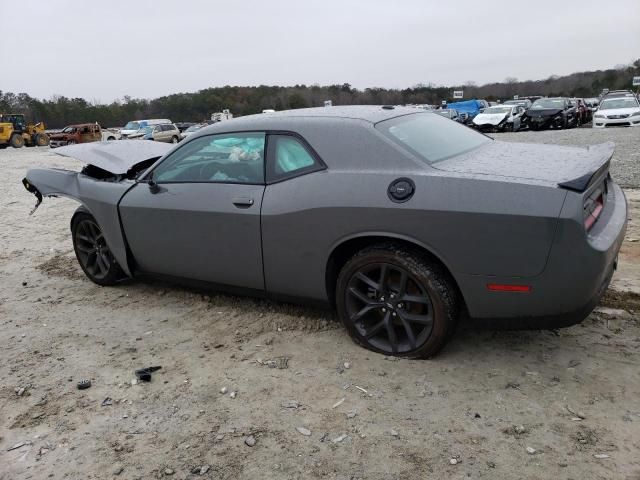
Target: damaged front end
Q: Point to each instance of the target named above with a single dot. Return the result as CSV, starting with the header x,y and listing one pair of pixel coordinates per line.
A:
x,y
111,170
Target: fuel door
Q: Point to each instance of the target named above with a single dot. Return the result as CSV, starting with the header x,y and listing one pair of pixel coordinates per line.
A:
x,y
401,190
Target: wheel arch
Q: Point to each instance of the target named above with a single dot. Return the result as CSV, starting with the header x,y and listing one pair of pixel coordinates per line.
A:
x,y
344,249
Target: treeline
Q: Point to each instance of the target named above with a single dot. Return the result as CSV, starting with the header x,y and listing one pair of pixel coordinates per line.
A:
x,y
59,111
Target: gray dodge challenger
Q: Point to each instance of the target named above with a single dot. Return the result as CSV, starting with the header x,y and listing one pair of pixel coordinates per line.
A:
x,y
401,219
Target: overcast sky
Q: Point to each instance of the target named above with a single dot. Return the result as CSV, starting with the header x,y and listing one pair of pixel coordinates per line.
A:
x,y
143,48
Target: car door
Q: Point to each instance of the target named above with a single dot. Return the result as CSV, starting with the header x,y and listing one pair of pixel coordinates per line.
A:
x,y
158,134
516,112
85,134
196,215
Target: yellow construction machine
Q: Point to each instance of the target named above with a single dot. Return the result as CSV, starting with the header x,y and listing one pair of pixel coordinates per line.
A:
x,y
15,131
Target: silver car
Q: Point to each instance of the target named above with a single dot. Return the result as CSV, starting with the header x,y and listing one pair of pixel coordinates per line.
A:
x,y
166,132
399,218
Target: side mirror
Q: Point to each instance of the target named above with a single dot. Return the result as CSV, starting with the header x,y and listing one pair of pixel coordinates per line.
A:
x,y
153,186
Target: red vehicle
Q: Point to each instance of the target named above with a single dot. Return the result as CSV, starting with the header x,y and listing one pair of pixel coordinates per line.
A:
x,y
582,111
82,133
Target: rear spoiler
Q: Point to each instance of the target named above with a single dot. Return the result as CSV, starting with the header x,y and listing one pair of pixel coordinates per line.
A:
x,y
599,159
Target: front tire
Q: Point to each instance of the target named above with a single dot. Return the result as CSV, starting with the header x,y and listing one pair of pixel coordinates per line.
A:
x,y
394,301
93,253
17,141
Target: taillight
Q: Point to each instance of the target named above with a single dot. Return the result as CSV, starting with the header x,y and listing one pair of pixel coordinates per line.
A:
x,y
593,211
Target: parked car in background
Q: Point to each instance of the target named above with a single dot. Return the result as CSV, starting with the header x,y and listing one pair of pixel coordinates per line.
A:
x,y
222,116
592,103
582,111
468,109
166,132
399,218
617,112
135,127
551,113
524,103
449,113
72,134
191,130
504,118
617,94
182,126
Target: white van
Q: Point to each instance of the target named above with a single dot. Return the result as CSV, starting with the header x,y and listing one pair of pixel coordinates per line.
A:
x,y
135,126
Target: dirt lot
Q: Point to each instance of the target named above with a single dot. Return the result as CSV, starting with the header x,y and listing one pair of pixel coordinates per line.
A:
x,y
494,404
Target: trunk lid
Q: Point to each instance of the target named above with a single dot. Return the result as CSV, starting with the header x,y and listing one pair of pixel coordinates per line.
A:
x,y
567,167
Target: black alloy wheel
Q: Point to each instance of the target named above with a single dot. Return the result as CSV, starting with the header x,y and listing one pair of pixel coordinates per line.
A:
x,y
395,302
92,251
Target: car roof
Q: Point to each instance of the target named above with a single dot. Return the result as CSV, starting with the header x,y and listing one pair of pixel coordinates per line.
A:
x,y
287,119
368,113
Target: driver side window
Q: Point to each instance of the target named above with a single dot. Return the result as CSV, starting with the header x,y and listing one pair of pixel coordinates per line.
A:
x,y
226,158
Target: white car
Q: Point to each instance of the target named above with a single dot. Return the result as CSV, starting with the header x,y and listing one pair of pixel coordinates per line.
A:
x,y
191,130
504,118
617,112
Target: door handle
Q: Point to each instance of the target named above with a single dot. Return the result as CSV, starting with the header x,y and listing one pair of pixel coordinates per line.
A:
x,y
242,202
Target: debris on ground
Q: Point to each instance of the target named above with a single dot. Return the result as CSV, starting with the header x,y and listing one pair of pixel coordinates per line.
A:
x,y
601,456
339,438
144,374
304,431
84,384
280,363
250,441
531,450
18,445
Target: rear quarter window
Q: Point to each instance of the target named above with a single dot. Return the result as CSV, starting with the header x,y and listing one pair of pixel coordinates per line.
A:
x,y
430,136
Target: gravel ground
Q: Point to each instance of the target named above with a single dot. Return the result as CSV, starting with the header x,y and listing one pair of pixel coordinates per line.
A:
x,y
308,403
625,166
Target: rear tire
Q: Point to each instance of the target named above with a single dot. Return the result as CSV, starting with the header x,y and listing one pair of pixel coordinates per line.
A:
x,y
93,253
174,139
395,301
16,141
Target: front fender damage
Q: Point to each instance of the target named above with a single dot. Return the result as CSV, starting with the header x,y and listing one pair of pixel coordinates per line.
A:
x,y
100,197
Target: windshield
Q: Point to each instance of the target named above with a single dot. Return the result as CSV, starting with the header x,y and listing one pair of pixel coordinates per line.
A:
x,y
431,137
132,126
445,113
68,129
547,103
618,103
497,110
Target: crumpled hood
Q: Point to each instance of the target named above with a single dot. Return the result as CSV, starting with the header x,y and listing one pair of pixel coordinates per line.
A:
x,y
115,157
489,118
547,164
545,112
